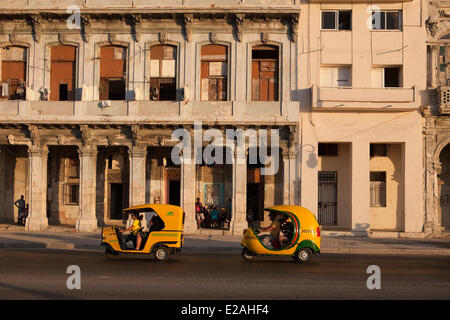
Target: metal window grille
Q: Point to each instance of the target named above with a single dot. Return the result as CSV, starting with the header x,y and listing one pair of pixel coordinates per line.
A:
x,y
378,189
327,207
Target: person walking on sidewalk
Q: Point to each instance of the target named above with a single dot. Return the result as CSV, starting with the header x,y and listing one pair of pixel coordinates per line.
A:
x,y
199,217
20,204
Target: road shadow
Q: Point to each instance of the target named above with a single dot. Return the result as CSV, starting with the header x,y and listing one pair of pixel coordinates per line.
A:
x,y
40,293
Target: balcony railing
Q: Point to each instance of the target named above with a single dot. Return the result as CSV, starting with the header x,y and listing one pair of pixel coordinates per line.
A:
x,y
444,99
232,112
147,4
363,97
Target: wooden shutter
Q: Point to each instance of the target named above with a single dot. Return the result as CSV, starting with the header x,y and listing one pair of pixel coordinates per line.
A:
x,y
326,77
377,77
214,73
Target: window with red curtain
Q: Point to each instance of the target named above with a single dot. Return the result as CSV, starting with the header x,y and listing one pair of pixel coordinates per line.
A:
x,y
112,72
13,81
214,73
62,73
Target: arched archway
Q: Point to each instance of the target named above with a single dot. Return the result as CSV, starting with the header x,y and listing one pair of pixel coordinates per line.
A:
x,y
444,187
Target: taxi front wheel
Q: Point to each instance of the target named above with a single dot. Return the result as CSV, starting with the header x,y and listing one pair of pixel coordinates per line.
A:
x,y
248,255
303,255
161,253
110,254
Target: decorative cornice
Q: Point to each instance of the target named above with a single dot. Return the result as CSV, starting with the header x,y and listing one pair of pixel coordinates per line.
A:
x,y
62,38
213,37
188,21
35,21
294,20
90,151
135,22
240,21
86,23
135,134
35,136
12,38
163,37
86,135
265,37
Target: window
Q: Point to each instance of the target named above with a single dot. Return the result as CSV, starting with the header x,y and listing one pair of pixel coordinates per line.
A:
x,y
214,72
386,20
333,77
62,73
337,20
163,73
73,168
378,150
72,180
112,73
389,77
72,193
13,73
328,149
378,189
265,73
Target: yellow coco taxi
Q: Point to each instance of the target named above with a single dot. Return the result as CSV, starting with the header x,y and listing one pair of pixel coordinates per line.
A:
x,y
299,235
162,232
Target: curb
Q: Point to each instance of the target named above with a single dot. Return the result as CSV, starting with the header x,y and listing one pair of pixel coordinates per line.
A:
x,y
432,252
87,247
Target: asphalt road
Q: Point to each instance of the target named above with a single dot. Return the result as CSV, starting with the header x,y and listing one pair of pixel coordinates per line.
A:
x,y
41,274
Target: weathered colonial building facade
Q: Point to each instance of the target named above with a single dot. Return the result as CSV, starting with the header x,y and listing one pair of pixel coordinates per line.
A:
x,y
437,120
91,95
87,112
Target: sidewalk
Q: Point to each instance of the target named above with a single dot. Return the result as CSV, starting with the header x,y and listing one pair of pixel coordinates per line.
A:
x,y
14,237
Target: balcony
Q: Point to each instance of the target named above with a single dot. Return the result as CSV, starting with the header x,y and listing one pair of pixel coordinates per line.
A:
x,y
363,98
226,112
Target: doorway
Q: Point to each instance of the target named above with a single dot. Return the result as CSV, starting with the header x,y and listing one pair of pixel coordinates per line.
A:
x,y
116,200
173,185
174,192
327,206
255,193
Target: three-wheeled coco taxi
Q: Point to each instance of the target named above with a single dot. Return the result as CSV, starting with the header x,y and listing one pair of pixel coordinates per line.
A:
x,y
299,235
164,225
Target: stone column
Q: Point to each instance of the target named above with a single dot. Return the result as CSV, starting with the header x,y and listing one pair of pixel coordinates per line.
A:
x,y
239,205
138,157
37,216
431,223
187,190
360,182
289,174
434,65
87,219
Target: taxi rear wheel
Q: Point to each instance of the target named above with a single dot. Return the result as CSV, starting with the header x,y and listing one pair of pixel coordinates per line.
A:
x,y
161,253
248,255
303,255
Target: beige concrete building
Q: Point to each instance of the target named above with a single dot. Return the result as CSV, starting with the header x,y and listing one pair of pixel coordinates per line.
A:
x,y
362,134
87,113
